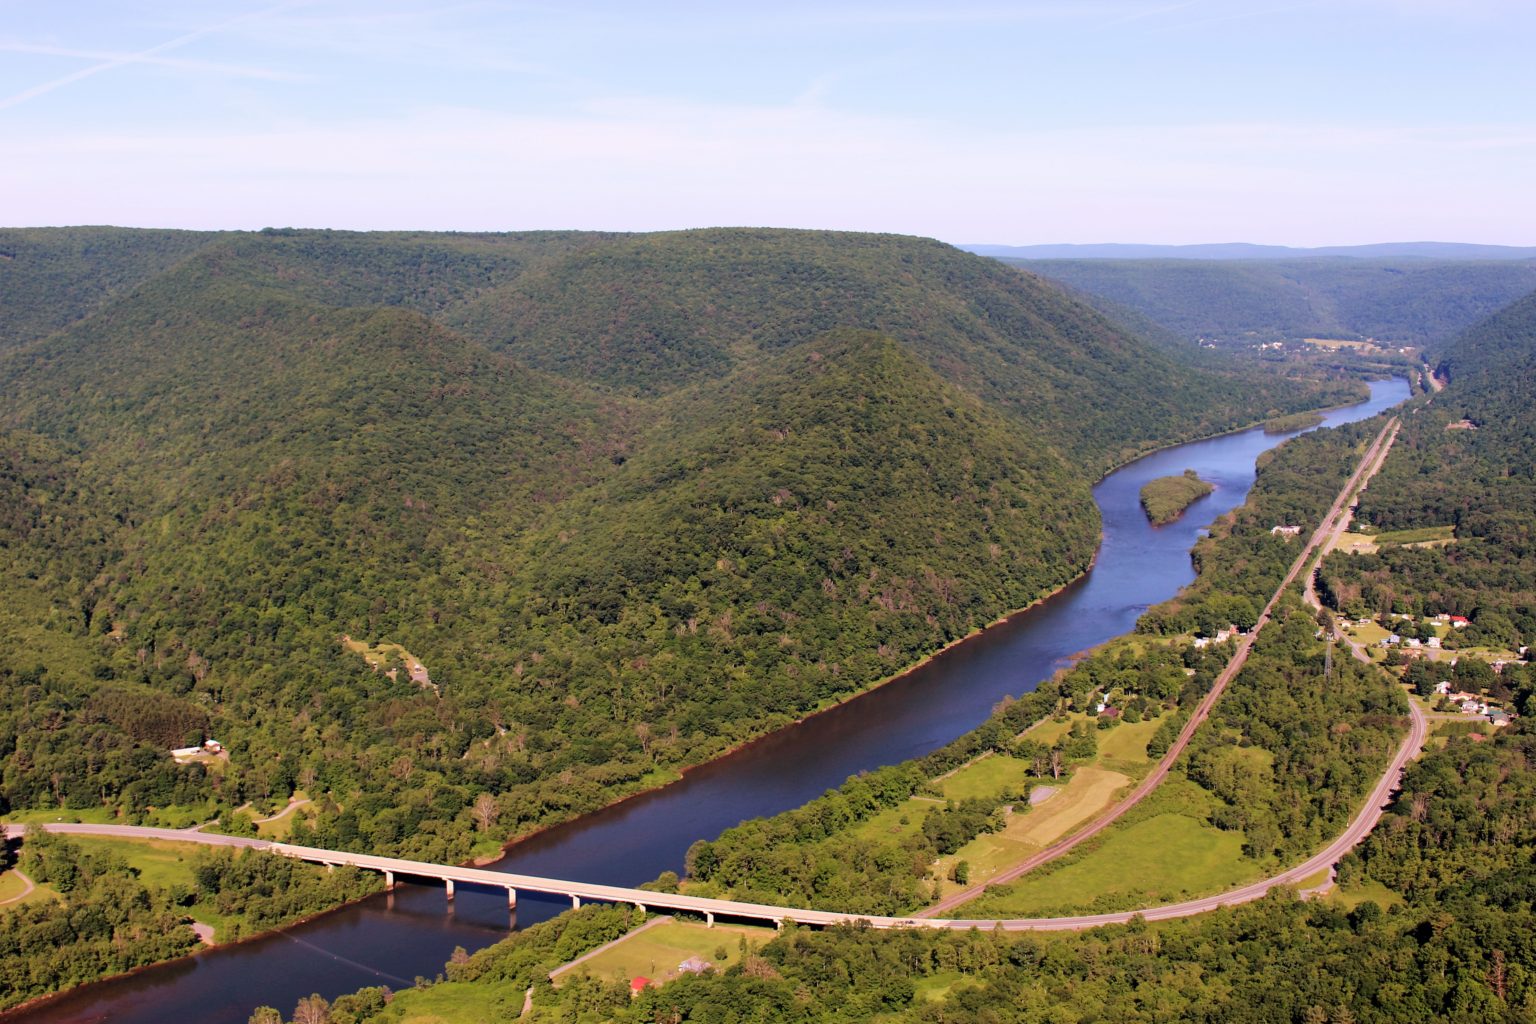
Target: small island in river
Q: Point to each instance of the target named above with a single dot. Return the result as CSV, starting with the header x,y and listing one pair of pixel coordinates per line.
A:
x,y
1166,498
1297,421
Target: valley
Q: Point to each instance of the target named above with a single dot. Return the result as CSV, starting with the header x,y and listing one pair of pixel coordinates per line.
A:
x,y
629,541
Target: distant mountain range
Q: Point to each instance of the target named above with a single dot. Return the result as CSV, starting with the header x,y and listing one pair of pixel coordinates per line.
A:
x,y
1248,251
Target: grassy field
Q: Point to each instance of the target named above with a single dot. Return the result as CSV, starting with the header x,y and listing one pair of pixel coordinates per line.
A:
x,y
1125,746
90,815
1426,535
161,864
1049,730
1168,855
656,951
934,987
1356,543
1085,796
454,1003
987,777
1355,895
12,886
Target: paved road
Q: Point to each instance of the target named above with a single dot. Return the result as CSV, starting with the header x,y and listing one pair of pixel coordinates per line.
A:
x,y
1369,463
1358,828
27,887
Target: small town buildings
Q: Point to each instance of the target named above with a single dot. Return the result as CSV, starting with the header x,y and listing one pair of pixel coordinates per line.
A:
x,y
1459,621
1284,531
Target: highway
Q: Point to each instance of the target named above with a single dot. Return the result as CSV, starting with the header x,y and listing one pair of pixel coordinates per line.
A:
x,y
1360,826
1322,536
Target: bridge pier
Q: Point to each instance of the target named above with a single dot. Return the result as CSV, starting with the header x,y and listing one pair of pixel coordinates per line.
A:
x,y
448,886
778,923
389,881
511,898
575,902
709,919
640,907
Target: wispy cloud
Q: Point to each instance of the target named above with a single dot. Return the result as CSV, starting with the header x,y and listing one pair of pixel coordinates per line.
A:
x,y
150,55
115,59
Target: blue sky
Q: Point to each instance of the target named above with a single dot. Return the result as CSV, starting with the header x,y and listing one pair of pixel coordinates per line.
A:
x,y
1302,123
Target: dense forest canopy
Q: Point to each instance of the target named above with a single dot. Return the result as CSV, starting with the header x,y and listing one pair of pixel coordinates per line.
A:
x,y
630,499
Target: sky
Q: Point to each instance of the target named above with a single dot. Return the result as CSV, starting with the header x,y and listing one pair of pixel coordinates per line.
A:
x,y
1296,122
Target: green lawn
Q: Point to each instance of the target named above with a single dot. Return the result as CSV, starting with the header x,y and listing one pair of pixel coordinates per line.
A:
x,y
1427,535
90,815
933,988
11,886
1049,730
1355,895
656,952
1030,829
454,1003
1163,858
888,822
161,864
990,777
1125,746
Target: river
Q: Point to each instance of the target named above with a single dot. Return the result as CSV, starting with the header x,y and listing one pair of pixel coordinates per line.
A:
x,y
390,940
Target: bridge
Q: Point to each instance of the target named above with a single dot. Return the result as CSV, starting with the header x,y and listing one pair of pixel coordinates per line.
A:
x,y
450,875
393,868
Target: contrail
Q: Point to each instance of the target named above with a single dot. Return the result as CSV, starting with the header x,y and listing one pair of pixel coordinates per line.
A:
x,y
142,55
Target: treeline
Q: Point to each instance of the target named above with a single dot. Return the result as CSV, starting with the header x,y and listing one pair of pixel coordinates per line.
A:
x,y
108,921
1452,943
816,855
1289,751
615,567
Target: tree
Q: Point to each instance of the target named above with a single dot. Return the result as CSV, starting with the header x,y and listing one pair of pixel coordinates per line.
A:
x,y
312,1009
486,811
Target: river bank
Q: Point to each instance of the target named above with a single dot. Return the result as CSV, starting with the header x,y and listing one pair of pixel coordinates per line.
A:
x,y
913,712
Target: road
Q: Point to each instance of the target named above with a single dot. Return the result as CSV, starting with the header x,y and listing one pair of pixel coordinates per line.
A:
x,y
27,886
1358,828
1324,534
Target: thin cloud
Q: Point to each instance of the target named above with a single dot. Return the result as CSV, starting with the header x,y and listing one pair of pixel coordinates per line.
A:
x,y
178,63
142,56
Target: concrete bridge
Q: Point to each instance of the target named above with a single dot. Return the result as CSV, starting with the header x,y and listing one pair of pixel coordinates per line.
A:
x,y
392,868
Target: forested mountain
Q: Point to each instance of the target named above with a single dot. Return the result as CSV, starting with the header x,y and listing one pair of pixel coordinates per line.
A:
x,y
649,313
1465,460
51,277
1402,302
630,499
